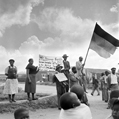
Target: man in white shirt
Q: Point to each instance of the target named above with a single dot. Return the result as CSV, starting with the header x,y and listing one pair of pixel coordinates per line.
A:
x,y
112,80
80,74
79,67
72,108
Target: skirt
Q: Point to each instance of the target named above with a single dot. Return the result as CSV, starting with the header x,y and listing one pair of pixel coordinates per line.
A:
x,y
31,87
11,86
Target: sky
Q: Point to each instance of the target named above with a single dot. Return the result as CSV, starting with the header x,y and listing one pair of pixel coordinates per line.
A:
x,y
53,28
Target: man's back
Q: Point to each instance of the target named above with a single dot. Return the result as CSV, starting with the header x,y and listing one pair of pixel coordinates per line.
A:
x,y
80,112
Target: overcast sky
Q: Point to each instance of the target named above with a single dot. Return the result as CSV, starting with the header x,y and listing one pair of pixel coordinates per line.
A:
x,y
54,27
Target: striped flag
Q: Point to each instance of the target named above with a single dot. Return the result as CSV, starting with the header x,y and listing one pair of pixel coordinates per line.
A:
x,y
103,43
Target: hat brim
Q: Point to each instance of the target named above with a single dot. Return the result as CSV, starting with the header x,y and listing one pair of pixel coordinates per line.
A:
x,y
64,56
11,60
59,67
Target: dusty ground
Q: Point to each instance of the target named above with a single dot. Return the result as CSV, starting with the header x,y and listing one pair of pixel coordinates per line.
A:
x,y
97,106
98,109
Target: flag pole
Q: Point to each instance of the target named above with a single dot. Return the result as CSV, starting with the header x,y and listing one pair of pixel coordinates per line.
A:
x,y
89,46
87,52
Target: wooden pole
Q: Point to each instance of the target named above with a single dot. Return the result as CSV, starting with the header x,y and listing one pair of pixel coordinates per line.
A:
x,y
89,47
87,53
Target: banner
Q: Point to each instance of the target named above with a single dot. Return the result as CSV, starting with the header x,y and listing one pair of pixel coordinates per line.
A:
x,y
49,63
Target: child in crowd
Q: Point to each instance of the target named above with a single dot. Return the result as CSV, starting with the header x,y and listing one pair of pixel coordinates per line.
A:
x,y
115,109
21,113
72,108
79,91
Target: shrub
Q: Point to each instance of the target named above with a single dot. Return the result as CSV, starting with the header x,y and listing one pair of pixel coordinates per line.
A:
x,y
21,77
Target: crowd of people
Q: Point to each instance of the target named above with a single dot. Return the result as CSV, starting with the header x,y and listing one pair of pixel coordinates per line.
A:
x,y
71,93
74,102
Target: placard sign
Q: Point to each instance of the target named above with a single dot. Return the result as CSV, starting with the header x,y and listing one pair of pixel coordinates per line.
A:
x,y
61,77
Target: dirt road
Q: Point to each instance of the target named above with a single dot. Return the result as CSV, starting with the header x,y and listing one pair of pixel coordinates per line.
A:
x,y
97,106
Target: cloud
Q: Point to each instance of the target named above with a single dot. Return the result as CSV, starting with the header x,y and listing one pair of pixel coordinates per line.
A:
x,y
35,46
114,8
11,6
15,12
55,47
73,35
63,22
32,47
1,34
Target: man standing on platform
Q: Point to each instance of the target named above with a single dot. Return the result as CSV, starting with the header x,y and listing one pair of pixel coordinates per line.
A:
x,y
80,74
66,67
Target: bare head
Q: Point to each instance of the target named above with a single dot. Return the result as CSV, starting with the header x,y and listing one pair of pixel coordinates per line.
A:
x,y
31,60
80,58
74,70
21,113
69,100
115,109
78,90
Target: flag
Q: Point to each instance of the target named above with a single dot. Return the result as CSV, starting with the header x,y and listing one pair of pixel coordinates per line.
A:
x,y
103,43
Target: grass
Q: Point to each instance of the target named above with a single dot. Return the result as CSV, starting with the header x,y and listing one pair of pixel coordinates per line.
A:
x,y
21,96
43,103
49,102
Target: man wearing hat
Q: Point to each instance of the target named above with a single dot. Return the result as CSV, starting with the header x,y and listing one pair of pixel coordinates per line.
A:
x,y
66,66
11,85
60,86
112,82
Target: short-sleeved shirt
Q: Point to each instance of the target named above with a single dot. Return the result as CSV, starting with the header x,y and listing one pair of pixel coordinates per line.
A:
x,y
32,69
